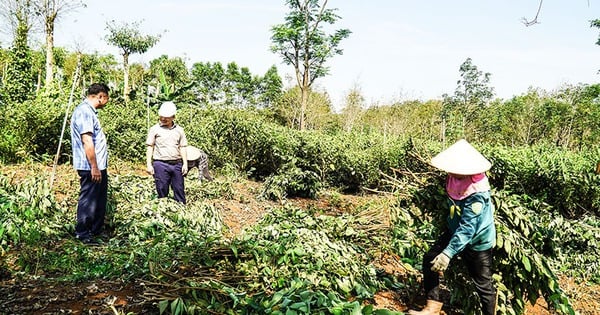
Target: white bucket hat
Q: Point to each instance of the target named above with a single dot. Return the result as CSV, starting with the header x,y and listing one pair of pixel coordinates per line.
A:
x,y
462,159
167,109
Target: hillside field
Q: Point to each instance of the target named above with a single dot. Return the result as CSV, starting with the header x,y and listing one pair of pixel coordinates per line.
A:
x,y
31,289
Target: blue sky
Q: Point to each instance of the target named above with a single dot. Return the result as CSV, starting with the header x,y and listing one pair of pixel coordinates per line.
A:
x,y
398,49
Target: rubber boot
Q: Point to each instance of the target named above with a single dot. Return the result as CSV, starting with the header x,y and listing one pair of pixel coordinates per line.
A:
x,y
432,308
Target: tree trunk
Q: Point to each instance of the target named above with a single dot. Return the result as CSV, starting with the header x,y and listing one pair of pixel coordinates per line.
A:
x,y
126,77
49,53
303,103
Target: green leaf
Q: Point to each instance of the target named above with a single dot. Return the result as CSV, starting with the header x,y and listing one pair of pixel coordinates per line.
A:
x,y
276,298
356,310
337,310
162,306
526,263
300,306
344,284
507,248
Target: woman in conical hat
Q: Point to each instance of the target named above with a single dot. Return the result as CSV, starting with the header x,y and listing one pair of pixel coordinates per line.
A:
x,y
470,233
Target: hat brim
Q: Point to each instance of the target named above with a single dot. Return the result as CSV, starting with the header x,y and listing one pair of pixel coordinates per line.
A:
x,y
193,153
462,159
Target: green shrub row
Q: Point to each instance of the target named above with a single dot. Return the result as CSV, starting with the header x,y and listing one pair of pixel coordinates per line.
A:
x,y
564,179
261,148
250,142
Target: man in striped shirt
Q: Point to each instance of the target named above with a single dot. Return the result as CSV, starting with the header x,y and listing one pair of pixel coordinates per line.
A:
x,y
90,159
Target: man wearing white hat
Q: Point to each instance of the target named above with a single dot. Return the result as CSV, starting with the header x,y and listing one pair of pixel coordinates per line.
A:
x,y
166,154
471,232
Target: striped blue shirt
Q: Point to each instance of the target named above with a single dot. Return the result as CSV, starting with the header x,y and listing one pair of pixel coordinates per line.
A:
x,y
85,120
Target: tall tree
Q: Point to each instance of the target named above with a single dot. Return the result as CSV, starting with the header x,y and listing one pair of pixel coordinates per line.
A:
x,y
13,13
19,79
232,75
303,43
246,88
473,92
130,40
49,12
209,82
271,88
234,86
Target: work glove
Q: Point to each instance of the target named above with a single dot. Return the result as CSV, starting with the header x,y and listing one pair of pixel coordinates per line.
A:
x,y
440,263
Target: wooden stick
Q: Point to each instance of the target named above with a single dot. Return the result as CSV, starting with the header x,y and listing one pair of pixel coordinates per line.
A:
x,y
62,132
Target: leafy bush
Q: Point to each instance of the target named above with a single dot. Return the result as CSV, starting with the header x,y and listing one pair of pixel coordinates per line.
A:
x,y
126,128
291,182
298,298
10,148
292,261
559,177
246,139
291,243
349,161
262,148
31,129
575,244
28,214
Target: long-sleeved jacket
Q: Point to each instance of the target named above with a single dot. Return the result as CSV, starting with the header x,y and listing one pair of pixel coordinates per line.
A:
x,y
471,222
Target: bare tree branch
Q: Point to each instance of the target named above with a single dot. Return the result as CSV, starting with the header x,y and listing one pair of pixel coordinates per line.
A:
x,y
535,19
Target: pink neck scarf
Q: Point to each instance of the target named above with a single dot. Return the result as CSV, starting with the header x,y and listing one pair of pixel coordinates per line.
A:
x,y
461,188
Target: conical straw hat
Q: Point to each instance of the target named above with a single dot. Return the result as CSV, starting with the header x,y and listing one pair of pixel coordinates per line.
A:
x,y
193,153
462,159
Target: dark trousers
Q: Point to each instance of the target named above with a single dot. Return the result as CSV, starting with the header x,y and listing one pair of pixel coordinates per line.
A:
x,y
479,265
91,207
169,175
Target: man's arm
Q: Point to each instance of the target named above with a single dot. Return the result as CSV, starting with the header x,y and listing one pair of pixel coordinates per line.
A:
x,y
183,152
90,154
149,152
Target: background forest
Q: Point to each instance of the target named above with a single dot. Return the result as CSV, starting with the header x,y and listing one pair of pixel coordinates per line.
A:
x,y
543,145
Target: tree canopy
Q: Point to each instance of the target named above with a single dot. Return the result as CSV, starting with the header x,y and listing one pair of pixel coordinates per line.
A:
x,y
130,40
303,43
